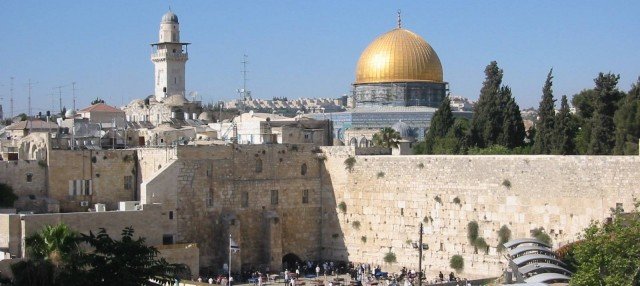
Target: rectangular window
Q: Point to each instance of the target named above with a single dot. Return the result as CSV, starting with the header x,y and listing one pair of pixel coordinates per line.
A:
x,y
170,214
245,199
128,182
29,177
274,197
209,197
80,188
305,196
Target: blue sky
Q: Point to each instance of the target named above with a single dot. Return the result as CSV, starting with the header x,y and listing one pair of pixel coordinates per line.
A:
x,y
308,48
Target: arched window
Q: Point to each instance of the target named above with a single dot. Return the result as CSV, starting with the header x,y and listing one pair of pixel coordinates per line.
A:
x,y
303,169
353,142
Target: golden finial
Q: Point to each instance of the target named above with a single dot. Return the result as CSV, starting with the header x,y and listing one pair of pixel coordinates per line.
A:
x,y
399,20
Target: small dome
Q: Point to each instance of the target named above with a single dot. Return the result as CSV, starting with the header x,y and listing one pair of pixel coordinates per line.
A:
x,y
205,116
403,129
169,17
70,113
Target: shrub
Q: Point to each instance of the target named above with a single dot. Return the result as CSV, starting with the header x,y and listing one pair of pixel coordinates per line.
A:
x,y
438,199
506,183
349,163
356,224
380,175
421,165
539,234
472,232
390,257
456,201
363,239
457,262
342,206
504,234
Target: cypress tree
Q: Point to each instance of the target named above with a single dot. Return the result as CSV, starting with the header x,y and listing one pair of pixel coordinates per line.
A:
x,y
442,120
565,130
513,132
627,121
486,123
543,142
602,138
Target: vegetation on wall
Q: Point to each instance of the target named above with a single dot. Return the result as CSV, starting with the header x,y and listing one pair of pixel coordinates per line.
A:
x,y
506,183
456,201
342,206
349,163
438,199
457,262
380,175
504,235
390,257
363,239
540,234
356,225
472,231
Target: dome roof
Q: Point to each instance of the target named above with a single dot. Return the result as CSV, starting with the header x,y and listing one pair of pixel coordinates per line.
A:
x,y
70,113
403,129
398,56
169,17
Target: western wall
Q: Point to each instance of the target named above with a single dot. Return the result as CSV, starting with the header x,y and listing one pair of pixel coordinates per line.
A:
x,y
387,197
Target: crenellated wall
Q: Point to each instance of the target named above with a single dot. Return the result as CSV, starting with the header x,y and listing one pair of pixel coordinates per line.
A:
x,y
389,196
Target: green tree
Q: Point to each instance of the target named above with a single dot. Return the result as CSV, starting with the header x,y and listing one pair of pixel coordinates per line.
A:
x,y
7,197
442,120
513,132
602,139
584,102
486,122
544,137
608,253
627,121
23,117
565,130
387,137
124,262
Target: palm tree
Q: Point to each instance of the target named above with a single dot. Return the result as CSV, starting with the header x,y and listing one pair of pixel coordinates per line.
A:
x,y
53,243
387,137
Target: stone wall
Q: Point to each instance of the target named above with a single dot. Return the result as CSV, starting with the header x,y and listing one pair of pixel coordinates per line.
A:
x,y
105,169
389,196
16,173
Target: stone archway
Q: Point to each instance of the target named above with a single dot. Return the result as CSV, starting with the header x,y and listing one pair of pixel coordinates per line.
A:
x,y
353,142
290,260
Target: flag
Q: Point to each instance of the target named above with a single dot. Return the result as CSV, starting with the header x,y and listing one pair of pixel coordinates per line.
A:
x,y
233,246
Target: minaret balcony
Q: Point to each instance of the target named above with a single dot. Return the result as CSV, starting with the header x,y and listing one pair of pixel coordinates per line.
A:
x,y
167,55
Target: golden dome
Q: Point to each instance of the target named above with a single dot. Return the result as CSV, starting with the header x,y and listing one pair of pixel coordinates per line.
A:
x,y
398,56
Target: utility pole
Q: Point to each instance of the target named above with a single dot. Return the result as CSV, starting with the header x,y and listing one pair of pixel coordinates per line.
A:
x,y
73,119
60,98
420,257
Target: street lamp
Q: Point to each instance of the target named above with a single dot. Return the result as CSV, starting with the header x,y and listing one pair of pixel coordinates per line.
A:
x,y
420,246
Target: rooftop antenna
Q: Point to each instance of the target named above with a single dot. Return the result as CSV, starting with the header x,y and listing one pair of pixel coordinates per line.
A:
x,y
60,98
30,85
11,98
73,120
399,19
244,93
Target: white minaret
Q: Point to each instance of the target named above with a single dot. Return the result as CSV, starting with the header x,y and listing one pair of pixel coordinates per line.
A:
x,y
169,57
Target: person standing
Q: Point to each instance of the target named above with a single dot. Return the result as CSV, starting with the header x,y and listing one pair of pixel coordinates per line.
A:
x,y
230,280
210,280
259,279
318,270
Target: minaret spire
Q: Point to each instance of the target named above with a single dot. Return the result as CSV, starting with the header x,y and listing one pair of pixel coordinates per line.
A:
x,y
399,19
